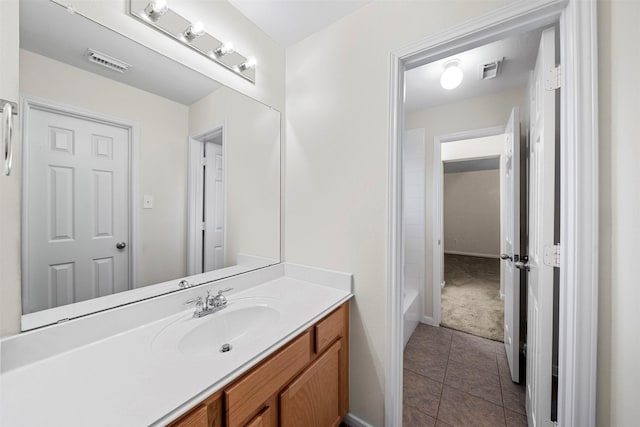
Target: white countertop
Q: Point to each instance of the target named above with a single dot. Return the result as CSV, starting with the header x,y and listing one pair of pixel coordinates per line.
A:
x,y
128,379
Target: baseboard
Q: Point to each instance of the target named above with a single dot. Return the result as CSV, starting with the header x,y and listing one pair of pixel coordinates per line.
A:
x,y
353,421
501,295
428,320
476,254
444,282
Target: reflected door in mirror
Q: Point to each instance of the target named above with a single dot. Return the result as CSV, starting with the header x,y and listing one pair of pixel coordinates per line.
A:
x,y
77,209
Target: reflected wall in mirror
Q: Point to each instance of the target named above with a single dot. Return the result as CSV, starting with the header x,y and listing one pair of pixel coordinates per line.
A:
x,y
136,169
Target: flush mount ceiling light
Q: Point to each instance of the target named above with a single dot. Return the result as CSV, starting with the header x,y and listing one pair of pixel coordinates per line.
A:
x,y
452,75
157,14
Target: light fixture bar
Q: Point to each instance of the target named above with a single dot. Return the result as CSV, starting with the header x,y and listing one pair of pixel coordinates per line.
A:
x,y
157,14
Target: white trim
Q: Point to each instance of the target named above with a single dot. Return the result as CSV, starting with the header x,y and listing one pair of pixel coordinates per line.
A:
x,y
476,254
354,421
428,320
578,216
28,103
579,204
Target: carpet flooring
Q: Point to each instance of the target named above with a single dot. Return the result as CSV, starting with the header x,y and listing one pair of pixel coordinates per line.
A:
x,y
470,300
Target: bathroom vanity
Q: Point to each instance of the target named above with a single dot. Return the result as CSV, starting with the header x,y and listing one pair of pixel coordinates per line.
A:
x,y
154,363
306,383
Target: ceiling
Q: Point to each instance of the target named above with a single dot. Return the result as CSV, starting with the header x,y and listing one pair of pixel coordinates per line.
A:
x,y
49,30
289,21
423,88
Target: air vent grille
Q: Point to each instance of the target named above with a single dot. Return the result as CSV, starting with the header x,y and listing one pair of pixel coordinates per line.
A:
x,y
107,61
490,70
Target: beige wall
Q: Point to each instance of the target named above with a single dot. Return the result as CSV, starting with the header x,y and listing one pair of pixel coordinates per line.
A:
x,y
337,161
252,132
474,113
619,297
472,212
162,127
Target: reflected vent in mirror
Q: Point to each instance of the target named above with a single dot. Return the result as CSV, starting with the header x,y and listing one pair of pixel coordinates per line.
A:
x,y
107,61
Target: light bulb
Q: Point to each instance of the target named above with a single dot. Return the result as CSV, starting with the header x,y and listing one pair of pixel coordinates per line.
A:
x,y
155,9
452,75
225,49
196,29
248,64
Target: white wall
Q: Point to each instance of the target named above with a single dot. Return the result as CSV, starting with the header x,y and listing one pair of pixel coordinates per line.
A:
x,y
619,92
472,213
163,127
474,113
337,162
252,132
413,212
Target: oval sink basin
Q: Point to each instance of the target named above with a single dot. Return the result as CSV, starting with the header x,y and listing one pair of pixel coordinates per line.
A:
x,y
206,335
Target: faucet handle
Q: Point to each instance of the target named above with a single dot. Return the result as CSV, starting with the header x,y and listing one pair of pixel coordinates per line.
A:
x,y
192,300
220,292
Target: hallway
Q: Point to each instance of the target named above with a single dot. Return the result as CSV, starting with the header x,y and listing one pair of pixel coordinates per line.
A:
x,y
456,379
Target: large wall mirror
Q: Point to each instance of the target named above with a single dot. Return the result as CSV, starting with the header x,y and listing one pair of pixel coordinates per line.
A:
x,y
138,172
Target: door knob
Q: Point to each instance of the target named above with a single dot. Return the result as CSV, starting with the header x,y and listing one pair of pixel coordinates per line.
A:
x,y
522,265
121,245
506,256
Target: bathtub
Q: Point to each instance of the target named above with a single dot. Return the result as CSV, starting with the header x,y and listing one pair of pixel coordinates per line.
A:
x,y
411,313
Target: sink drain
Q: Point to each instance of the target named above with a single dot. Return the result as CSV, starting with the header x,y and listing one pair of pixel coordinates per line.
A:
x,y
225,348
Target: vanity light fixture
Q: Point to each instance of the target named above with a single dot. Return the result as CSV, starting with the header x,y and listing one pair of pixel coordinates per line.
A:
x,y
157,14
452,75
155,9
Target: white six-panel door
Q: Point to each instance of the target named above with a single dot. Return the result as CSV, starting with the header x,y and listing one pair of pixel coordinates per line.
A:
x,y
510,174
213,254
77,210
541,235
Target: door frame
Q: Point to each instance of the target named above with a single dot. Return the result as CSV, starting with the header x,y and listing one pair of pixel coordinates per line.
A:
x,y
194,187
579,186
29,103
438,211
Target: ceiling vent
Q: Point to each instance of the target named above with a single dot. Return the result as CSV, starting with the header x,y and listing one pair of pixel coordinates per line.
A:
x,y
107,61
490,70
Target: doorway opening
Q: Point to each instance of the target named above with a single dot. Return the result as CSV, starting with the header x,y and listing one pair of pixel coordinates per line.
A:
x,y
576,47
207,202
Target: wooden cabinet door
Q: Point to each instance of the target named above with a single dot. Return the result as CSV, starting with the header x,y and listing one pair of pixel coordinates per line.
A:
x,y
263,419
313,399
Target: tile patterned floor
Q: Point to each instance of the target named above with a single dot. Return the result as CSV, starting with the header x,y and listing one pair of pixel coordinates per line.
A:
x,y
454,379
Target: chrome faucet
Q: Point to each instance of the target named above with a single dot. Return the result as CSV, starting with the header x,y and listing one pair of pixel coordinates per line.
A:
x,y
211,304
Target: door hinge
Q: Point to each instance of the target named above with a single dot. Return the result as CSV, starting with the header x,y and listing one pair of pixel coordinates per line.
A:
x,y
203,226
552,255
552,78
203,161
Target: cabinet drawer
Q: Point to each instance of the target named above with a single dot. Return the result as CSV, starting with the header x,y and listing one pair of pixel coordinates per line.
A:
x,y
246,396
263,419
329,329
195,418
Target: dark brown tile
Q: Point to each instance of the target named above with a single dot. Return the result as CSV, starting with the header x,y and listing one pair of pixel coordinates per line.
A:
x,y
513,395
514,419
476,382
442,424
411,417
430,362
480,360
462,409
432,339
503,365
461,340
421,393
